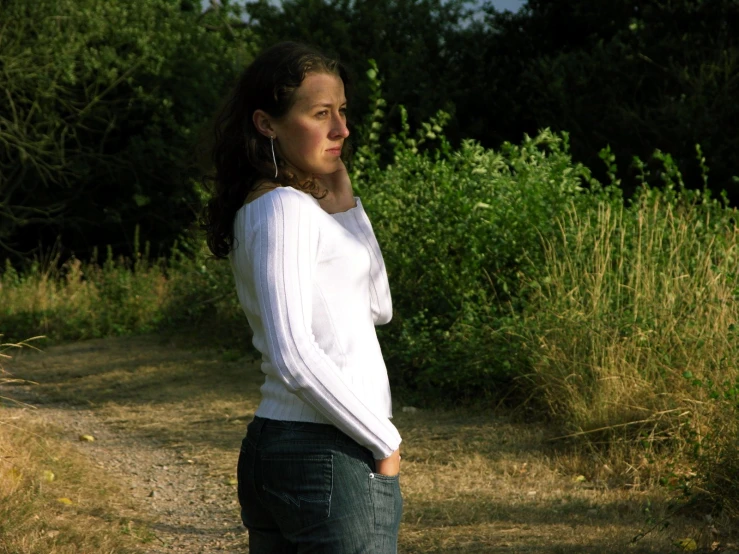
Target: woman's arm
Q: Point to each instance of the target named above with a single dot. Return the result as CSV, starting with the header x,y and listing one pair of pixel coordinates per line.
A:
x,y
358,224
285,246
348,211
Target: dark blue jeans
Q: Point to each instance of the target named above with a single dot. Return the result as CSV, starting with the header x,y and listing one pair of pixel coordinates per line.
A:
x,y
309,488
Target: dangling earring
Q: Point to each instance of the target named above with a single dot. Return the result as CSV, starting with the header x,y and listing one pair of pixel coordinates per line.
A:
x,y
274,160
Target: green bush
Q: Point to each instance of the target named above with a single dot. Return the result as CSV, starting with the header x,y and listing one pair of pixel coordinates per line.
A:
x,y
202,300
457,229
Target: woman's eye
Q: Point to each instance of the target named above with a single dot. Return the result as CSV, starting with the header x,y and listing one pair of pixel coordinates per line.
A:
x,y
324,113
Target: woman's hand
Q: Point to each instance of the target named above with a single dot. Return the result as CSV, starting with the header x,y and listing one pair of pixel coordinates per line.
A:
x,y
340,197
389,466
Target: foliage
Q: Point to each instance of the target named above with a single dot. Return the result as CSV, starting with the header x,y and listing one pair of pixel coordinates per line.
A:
x,y
95,92
457,228
636,75
75,299
630,329
201,298
102,105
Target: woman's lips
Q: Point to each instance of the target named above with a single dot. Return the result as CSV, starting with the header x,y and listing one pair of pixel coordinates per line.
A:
x,y
334,151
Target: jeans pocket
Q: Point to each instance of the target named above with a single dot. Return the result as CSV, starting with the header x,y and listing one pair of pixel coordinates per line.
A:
x,y
297,489
388,506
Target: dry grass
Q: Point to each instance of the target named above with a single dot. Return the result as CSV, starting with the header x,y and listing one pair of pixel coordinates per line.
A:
x,y
634,334
84,300
472,481
79,300
637,306
47,505
32,518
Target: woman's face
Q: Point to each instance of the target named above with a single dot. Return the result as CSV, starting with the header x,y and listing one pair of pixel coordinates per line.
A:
x,y
310,136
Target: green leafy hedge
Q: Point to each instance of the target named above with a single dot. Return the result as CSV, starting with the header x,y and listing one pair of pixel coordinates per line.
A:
x,y
458,228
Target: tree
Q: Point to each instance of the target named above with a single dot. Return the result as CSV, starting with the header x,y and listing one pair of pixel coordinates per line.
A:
x,y
103,102
637,75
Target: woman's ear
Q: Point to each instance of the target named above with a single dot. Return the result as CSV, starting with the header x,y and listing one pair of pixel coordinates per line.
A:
x,y
263,123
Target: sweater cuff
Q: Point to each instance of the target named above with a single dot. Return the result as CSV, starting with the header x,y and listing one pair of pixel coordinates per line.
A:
x,y
379,455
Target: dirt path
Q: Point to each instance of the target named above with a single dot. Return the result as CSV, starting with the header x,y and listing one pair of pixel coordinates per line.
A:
x,y
191,512
180,486
168,423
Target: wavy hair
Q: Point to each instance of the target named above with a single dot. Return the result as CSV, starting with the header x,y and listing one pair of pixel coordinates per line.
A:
x,y
240,155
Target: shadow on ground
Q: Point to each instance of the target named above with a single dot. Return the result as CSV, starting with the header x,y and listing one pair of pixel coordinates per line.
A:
x,y
473,482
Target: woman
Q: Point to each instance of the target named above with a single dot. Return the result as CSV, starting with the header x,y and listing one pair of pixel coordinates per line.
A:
x,y
318,469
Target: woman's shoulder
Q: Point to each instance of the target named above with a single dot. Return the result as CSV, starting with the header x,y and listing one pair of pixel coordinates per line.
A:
x,y
269,188
260,189
283,203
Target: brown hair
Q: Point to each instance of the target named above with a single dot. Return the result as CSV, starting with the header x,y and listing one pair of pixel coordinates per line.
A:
x,y
241,156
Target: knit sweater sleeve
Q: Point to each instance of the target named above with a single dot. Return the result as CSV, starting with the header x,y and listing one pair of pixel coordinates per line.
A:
x,y
284,244
356,221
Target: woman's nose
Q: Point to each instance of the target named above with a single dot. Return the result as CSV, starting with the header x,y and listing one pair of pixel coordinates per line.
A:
x,y
339,128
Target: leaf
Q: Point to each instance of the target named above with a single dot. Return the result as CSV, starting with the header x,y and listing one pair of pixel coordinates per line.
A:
x,y
64,500
15,475
579,479
686,544
87,438
141,200
49,476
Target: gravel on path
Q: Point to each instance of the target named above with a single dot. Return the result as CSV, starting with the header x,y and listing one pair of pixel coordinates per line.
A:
x,y
193,511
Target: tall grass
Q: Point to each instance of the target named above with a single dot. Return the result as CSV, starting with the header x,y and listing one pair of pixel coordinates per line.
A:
x,y
632,331
631,303
78,299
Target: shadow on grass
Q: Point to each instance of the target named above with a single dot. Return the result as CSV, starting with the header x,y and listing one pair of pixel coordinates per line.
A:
x,y
136,370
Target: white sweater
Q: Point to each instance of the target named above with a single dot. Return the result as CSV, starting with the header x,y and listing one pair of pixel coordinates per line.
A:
x,y
313,286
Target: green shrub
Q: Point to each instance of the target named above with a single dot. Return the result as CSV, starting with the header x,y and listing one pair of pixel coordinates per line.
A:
x,y
457,229
202,300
